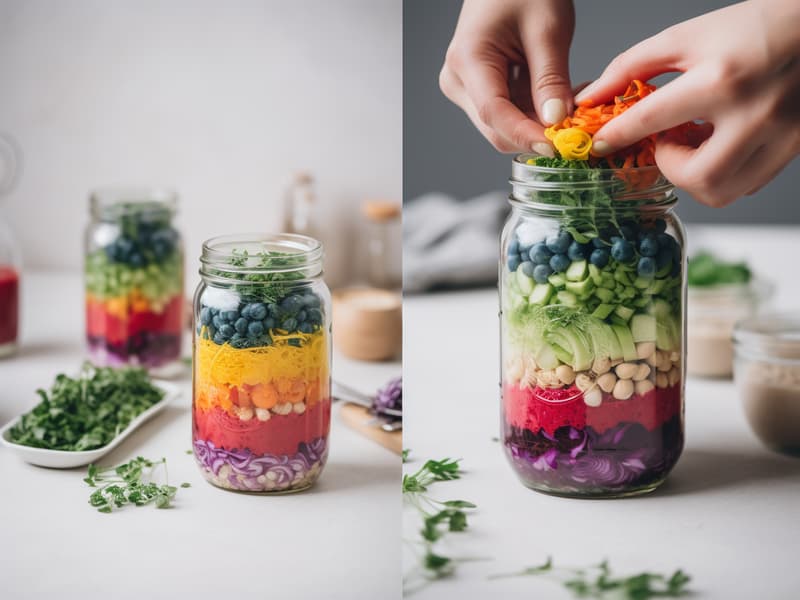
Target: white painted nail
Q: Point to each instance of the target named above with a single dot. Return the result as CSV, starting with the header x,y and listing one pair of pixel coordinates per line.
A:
x,y
553,111
600,147
543,148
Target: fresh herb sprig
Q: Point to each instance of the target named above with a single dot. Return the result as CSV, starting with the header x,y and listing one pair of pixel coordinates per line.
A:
x,y
130,483
275,285
599,582
438,517
88,411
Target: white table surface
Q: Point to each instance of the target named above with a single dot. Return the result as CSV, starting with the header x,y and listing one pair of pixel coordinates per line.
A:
x,y
337,540
729,514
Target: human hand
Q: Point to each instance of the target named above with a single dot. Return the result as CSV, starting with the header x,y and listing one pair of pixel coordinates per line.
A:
x,y
740,75
507,68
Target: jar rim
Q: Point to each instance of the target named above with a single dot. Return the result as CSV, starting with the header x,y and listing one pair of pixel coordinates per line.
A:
x,y
234,255
114,202
772,336
638,186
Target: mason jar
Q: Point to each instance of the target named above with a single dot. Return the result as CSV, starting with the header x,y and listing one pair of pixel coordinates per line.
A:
x,y
592,294
134,280
261,369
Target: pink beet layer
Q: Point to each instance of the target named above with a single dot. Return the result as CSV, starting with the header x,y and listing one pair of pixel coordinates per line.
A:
x,y
550,408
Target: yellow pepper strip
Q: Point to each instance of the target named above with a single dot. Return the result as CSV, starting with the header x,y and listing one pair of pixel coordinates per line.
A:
x,y
572,143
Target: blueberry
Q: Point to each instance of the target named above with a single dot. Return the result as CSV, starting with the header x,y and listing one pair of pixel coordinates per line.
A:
x,y
599,258
599,243
541,273
269,323
241,325
311,299
539,254
559,263
305,328
214,311
216,321
513,246
648,246
291,304
239,342
524,250
231,315
627,232
315,316
227,331
527,268
255,329
205,316
302,315
676,269
513,262
576,251
212,331
274,310
646,267
558,243
219,338
289,324
124,248
136,260
294,342
622,251
258,311
615,239
663,258
660,225
245,311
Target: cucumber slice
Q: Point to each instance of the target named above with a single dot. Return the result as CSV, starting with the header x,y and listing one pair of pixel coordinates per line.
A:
x,y
580,287
567,298
608,281
577,271
655,287
595,274
557,280
622,277
602,311
604,295
546,357
625,341
624,313
643,328
641,283
541,294
524,282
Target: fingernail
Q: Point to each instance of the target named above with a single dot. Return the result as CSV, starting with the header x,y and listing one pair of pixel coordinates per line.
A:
x,y
600,147
543,149
553,111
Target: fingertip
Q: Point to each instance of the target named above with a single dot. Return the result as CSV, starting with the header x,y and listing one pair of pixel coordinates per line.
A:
x,y
601,148
543,149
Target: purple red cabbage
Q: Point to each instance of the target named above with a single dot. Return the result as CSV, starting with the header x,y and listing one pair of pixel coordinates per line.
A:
x,y
243,470
390,396
146,348
622,459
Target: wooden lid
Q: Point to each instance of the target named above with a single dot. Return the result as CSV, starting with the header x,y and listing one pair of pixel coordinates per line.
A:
x,y
381,211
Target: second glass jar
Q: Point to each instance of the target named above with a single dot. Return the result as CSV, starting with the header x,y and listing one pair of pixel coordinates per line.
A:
x,y
592,330
261,401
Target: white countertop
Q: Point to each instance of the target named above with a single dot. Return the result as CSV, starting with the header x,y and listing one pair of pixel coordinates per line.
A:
x,y
213,544
728,515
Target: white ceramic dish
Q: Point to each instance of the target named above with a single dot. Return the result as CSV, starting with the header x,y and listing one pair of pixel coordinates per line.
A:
x,y
65,459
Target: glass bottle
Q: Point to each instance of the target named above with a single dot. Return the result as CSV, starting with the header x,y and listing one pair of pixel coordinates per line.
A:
x,y
134,280
10,255
383,243
592,293
300,199
261,382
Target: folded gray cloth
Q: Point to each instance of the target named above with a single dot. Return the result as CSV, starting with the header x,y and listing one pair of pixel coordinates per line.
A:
x,y
447,242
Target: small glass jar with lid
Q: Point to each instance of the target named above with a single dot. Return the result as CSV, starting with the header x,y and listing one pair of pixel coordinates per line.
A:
x,y
134,280
592,292
262,350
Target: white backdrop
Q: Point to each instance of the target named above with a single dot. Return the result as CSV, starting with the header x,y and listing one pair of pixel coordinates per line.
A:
x,y
221,100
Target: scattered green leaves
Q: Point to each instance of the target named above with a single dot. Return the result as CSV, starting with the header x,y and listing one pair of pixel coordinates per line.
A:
x,y
86,412
599,582
705,270
404,455
438,517
130,483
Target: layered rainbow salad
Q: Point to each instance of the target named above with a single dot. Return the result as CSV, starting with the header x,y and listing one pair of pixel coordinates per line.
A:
x,y
592,390
134,291
261,411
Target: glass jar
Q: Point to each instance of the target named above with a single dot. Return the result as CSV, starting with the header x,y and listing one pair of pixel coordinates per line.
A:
x,y
9,291
261,385
767,375
592,294
134,280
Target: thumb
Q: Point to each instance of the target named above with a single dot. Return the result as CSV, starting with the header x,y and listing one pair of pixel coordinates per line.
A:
x,y
547,55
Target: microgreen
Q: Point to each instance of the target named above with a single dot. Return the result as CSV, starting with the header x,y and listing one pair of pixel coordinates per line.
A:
x,y
130,483
599,582
88,411
438,517
404,455
266,270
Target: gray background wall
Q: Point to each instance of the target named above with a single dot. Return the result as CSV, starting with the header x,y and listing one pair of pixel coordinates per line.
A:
x,y
443,152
